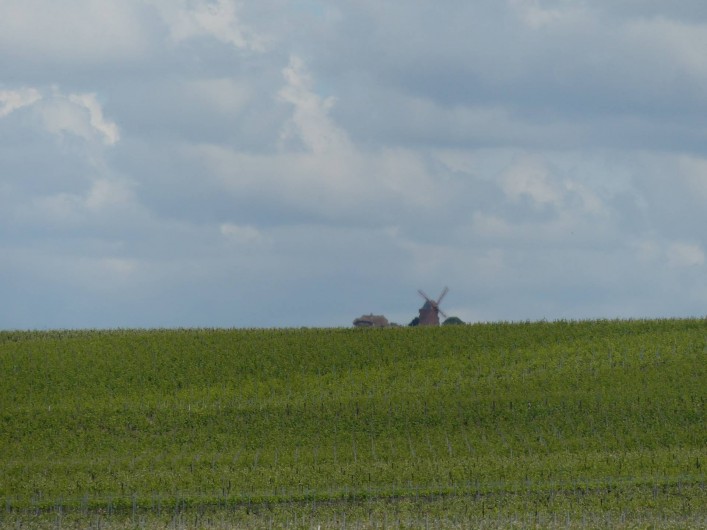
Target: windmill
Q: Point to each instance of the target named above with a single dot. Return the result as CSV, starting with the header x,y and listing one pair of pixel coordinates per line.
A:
x,y
430,311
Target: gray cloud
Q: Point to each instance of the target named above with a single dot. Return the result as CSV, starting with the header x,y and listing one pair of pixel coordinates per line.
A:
x,y
204,162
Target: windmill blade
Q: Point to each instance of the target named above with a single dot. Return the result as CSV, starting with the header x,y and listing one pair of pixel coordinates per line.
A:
x,y
444,293
423,295
442,313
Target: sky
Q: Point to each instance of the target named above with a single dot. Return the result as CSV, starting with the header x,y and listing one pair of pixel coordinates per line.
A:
x,y
299,163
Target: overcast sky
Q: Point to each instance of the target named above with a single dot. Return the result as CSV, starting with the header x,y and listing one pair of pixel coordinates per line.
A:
x,y
275,163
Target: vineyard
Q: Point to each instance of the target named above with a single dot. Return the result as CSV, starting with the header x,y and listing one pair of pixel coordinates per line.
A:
x,y
505,425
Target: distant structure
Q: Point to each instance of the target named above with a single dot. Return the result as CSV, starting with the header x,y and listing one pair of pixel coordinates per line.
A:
x,y
430,311
371,321
429,315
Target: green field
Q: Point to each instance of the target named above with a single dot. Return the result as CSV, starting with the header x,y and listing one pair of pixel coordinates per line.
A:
x,y
508,425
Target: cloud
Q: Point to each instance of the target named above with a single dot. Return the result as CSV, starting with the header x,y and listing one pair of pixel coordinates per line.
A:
x,y
674,254
106,194
588,79
42,31
223,94
674,43
61,183
11,100
695,171
107,129
311,122
241,234
530,178
545,159
217,19
317,170
104,201
538,14
681,254
77,114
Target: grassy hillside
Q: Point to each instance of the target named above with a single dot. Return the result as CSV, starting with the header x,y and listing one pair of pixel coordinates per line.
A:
x,y
600,417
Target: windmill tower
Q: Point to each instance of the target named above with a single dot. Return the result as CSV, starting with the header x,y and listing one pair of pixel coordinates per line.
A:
x,y
430,311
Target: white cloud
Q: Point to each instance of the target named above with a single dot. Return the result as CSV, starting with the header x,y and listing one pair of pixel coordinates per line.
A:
x,y
78,114
59,210
11,100
589,201
533,178
71,31
365,188
112,267
104,199
681,254
219,19
479,144
310,121
675,254
529,177
241,233
538,14
318,170
674,43
222,94
106,128
695,171
108,274
491,226
60,116
108,194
